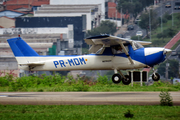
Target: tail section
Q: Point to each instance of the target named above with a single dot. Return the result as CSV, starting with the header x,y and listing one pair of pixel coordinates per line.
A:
x,y
20,48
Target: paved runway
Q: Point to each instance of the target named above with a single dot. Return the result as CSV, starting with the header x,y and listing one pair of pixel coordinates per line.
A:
x,y
84,98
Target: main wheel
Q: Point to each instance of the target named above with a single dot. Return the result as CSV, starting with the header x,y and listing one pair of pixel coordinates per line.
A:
x,y
156,77
127,80
116,78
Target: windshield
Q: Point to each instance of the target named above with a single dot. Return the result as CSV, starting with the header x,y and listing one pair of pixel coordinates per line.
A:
x,y
136,45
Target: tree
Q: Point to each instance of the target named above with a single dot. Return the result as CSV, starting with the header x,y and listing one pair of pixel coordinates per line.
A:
x,y
133,7
129,7
173,69
144,23
166,33
106,27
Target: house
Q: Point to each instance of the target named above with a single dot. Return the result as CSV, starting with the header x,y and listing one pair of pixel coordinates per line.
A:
x,y
6,22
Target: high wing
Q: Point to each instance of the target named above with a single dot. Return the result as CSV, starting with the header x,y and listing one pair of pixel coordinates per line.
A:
x,y
103,41
107,40
110,40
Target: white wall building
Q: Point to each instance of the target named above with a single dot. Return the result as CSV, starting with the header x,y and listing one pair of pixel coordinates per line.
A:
x,y
94,10
81,2
90,11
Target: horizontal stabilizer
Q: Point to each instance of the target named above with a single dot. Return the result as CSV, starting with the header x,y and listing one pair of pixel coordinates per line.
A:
x,y
34,63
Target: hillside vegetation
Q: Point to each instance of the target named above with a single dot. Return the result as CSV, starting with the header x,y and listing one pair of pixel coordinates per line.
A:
x,y
169,29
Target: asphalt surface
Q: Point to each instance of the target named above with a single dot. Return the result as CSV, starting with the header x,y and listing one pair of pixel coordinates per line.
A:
x,y
84,98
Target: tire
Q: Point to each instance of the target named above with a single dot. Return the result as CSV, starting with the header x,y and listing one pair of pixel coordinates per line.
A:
x,y
126,81
116,78
156,77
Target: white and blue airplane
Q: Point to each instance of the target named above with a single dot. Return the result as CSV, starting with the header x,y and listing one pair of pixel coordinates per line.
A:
x,y
107,53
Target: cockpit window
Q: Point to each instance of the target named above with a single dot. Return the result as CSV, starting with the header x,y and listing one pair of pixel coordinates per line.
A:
x,y
118,49
136,45
99,51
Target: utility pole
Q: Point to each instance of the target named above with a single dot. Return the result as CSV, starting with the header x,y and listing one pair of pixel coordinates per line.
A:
x,y
150,22
167,66
121,16
161,19
172,13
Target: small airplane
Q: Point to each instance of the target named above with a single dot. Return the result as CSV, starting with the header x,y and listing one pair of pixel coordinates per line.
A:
x,y
107,53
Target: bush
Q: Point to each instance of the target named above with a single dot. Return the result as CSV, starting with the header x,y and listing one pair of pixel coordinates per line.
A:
x,y
128,114
166,99
103,80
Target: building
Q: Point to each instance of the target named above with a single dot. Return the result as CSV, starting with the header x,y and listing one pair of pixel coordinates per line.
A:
x,y
55,22
24,5
6,22
89,12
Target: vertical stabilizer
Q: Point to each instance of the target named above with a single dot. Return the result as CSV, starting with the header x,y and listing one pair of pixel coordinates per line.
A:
x,y
20,48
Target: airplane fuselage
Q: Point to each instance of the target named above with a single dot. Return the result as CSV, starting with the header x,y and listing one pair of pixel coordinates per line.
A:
x,y
84,62
141,58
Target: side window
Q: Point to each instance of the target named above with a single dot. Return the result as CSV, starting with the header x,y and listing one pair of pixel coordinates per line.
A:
x,y
136,45
118,49
99,51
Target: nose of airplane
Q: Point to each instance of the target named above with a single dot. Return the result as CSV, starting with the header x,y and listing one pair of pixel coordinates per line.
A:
x,y
155,55
165,51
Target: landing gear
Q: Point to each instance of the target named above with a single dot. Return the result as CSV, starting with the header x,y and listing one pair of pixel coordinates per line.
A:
x,y
155,76
126,80
116,78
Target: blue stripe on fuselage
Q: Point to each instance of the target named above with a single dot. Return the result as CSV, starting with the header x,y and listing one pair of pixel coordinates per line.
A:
x,y
155,58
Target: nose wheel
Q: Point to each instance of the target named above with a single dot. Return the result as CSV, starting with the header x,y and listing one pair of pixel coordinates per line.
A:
x,y
116,78
155,76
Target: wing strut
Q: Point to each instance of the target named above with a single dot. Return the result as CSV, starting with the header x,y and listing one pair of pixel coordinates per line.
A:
x,y
126,52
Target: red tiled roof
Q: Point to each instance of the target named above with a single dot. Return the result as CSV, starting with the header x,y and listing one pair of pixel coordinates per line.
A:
x,y
31,2
39,3
13,7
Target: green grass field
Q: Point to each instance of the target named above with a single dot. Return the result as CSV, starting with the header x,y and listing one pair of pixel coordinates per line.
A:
x,y
88,112
58,83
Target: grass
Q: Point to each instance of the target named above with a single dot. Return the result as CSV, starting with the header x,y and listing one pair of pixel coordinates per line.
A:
x,y
58,83
85,112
